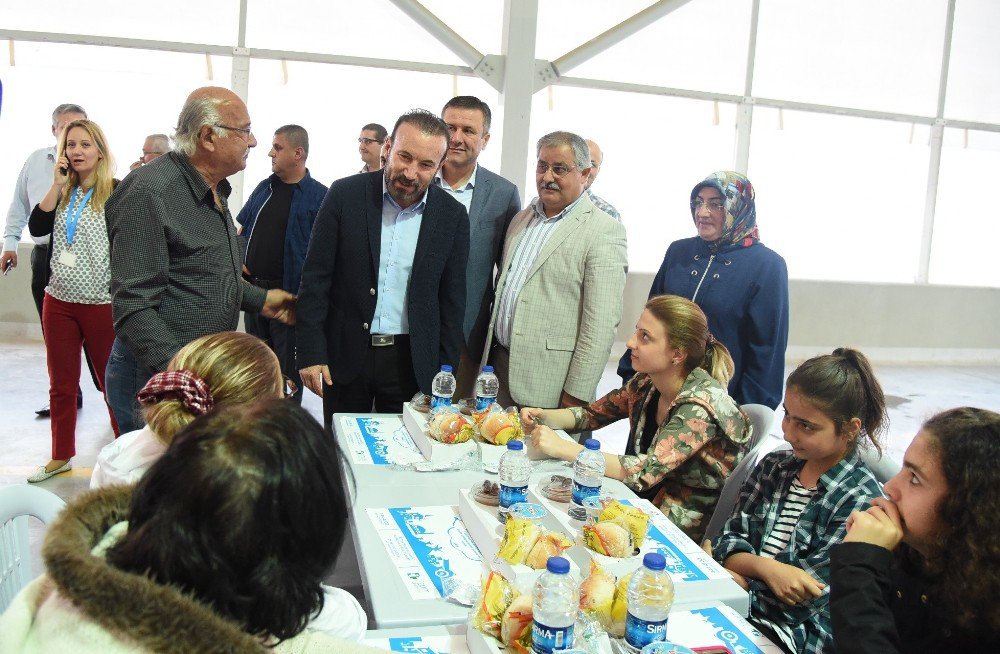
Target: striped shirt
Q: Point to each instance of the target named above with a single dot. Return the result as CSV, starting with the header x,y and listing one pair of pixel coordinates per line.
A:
x,y
781,533
534,238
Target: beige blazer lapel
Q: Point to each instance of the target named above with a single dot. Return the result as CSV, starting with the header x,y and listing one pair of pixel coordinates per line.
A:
x,y
567,225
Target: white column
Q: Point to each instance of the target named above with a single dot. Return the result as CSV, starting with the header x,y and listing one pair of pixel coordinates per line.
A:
x,y
520,25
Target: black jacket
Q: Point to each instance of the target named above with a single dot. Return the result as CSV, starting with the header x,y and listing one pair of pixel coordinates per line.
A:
x,y
879,605
336,301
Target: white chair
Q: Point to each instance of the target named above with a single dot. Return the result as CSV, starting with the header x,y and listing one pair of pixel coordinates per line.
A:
x,y
761,442
884,467
16,504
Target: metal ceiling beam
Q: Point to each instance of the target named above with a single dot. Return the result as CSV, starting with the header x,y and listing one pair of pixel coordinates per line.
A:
x,y
615,35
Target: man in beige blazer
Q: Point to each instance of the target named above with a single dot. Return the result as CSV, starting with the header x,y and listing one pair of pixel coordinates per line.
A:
x,y
559,295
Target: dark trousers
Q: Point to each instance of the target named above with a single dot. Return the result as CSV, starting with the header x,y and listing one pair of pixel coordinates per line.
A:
x,y
385,383
39,280
281,339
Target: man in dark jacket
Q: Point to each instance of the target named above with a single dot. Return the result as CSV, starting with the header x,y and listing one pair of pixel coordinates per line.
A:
x,y
276,223
382,299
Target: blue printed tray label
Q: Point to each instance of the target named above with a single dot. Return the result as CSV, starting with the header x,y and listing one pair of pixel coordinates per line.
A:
x,y
428,546
421,644
718,625
686,561
377,441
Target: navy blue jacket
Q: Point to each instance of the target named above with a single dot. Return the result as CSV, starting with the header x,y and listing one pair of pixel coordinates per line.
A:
x,y
745,297
307,195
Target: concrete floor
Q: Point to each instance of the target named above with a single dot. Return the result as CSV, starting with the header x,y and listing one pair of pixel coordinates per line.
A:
x,y
913,392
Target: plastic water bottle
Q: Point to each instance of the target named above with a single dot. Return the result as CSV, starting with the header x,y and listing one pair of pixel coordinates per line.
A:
x,y
487,388
515,468
650,596
588,472
442,388
553,606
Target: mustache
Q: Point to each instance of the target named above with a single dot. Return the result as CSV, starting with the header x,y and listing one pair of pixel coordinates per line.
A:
x,y
552,186
401,178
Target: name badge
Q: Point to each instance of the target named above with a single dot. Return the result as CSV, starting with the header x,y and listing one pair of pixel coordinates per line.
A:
x,y
67,258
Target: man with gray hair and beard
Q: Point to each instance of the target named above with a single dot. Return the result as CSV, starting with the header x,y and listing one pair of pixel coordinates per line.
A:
x,y
559,295
175,257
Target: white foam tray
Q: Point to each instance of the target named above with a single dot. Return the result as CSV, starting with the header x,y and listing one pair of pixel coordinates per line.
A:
x,y
432,450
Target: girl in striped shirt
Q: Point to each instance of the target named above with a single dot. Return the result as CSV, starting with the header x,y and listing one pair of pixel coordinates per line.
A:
x,y
795,505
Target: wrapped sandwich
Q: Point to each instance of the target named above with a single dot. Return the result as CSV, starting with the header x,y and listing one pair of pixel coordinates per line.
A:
x,y
450,426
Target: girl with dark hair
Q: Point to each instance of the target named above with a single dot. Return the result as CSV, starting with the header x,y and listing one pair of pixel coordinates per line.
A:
x,y
227,538
686,433
795,505
917,572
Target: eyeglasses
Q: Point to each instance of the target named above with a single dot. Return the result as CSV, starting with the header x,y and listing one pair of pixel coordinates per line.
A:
x,y
242,130
367,141
289,388
558,170
713,205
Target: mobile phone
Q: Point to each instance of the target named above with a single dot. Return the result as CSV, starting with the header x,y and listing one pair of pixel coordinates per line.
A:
x,y
8,267
63,170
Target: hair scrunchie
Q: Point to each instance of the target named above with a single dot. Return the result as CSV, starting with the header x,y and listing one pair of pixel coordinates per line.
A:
x,y
182,385
710,340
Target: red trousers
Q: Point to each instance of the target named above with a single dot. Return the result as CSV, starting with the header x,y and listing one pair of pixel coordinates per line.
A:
x,y
68,327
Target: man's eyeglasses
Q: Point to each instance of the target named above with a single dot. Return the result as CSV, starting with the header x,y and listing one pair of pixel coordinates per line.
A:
x,y
367,141
713,205
289,388
246,131
558,170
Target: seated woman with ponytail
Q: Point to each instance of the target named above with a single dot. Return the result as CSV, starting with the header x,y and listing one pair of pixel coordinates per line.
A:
x,y
686,433
218,370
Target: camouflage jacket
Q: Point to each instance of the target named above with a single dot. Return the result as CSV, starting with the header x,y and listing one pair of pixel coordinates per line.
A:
x,y
693,452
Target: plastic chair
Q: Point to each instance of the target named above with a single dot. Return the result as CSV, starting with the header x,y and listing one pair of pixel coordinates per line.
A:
x,y
761,442
884,467
16,504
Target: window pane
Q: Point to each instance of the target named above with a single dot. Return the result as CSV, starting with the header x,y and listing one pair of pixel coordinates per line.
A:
x,y
681,58
965,220
360,29
651,161
333,124
973,74
190,21
840,198
855,53
129,93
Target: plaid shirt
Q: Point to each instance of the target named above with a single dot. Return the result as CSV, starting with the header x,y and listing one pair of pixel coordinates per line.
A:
x,y
846,487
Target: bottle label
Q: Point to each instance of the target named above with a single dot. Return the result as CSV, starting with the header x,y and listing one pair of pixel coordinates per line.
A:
x,y
581,492
483,402
545,640
439,400
511,495
639,633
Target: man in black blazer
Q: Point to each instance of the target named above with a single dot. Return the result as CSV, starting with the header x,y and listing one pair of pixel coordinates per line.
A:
x,y
382,300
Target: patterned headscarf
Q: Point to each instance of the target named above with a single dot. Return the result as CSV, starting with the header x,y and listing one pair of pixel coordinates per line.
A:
x,y
740,224
181,385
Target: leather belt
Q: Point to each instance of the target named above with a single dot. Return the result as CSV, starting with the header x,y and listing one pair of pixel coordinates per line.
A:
x,y
385,340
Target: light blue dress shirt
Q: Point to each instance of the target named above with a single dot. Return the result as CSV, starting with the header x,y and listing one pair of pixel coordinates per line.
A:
x,y
32,185
400,229
463,193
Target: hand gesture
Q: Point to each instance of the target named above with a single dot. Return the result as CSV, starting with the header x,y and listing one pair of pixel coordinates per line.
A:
x,y
279,305
530,416
879,525
315,377
59,178
544,440
792,585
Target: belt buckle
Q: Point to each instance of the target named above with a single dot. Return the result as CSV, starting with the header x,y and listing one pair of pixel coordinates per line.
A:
x,y
382,340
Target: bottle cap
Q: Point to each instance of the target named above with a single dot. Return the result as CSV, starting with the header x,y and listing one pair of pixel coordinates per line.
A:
x,y
446,368
487,368
654,561
592,444
557,565
515,445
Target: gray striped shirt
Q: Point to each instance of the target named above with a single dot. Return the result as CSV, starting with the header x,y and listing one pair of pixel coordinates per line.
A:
x,y
535,235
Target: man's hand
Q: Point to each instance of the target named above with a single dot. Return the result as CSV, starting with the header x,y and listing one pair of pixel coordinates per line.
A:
x,y
792,585
315,377
136,164
879,525
279,305
8,261
566,400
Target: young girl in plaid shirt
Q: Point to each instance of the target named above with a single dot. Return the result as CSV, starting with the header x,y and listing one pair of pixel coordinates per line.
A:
x,y
795,506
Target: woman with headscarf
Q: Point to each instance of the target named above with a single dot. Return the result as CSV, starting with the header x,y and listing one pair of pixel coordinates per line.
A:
x,y
740,284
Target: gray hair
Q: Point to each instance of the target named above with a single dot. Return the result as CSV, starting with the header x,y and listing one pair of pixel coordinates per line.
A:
x,y
581,153
297,137
66,109
197,113
161,142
